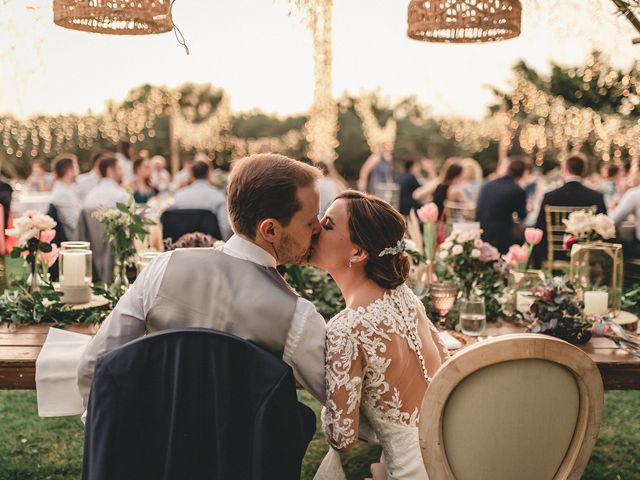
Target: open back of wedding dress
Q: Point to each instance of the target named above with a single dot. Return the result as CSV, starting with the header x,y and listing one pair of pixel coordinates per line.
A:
x,y
380,359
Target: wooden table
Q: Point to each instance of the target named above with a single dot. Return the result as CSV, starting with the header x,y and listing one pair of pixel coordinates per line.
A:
x,y
19,350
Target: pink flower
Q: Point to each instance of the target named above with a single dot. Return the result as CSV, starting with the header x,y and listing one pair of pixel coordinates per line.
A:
x,y
428,213
47,235
50,257
456,250
533,236
517,253
568,242
488,253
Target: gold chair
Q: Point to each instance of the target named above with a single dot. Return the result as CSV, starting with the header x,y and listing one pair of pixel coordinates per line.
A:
x,y
525,406
457,213
555,233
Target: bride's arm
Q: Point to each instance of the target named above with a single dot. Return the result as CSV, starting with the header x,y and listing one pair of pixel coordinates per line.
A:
x,y
345,365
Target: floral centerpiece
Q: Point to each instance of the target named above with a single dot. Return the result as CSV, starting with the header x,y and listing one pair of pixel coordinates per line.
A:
x,y
475,266
584,226
521,278
34,232
122,225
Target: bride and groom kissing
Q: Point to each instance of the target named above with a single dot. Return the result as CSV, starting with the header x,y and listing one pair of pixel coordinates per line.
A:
x,y
370,364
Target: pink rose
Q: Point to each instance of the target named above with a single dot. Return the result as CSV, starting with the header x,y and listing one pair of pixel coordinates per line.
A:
x,y
50,257
488,253
533,236
428,213
517,253
47,235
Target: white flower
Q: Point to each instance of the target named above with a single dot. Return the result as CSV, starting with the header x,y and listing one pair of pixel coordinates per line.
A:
x,y
411,245
43,222
464,237
456,250
478,243
604,226
443,254
475,253
579,223
446,245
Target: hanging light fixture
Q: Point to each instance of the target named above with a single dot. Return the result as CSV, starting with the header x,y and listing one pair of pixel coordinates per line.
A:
x,y
117,17
464,21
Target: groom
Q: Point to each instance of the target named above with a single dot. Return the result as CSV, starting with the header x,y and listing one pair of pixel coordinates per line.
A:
x,y
273,206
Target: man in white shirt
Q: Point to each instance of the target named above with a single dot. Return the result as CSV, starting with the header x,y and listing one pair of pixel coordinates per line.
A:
x,y
124,155
630,205
86,181
274,206
202,195
63,195
108,191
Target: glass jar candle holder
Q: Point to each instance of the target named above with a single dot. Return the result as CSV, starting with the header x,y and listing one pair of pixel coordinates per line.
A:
x,y
144,258
75,272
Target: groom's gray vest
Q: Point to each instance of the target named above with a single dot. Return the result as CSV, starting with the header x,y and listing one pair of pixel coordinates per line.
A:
x,y
203,287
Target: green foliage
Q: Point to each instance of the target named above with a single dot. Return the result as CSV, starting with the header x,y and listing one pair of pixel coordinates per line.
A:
x,y
631,300
316,286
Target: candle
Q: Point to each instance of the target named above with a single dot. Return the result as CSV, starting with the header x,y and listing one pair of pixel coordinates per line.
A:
x,y
73,269
596,303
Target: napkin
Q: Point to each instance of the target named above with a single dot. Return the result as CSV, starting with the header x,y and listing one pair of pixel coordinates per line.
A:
x,y
56,373
449,341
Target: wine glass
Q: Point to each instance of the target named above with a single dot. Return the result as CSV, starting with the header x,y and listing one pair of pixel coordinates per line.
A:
x,y
418,280
443,296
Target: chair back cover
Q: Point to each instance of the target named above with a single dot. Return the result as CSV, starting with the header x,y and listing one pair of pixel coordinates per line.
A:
x,y
193,404
92,231
177,222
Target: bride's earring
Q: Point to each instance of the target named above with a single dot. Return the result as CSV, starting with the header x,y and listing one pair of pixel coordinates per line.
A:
x,y
350,262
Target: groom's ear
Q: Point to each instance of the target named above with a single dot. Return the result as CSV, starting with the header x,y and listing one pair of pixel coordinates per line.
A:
x,y
270,229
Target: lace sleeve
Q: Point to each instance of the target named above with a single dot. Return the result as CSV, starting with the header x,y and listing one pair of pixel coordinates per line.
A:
x,y
345,365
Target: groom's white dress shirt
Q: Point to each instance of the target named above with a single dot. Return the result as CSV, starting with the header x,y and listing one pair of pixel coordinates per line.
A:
x,y
304,345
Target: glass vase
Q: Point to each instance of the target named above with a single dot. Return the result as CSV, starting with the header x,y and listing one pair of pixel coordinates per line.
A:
x,y
120,279
521,287
598,266
473,318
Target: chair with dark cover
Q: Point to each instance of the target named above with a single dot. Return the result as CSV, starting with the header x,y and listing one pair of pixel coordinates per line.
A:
x,y
177,222
60,237
92,231
194,404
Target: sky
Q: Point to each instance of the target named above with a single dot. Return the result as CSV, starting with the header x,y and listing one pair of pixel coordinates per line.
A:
x,y
263,56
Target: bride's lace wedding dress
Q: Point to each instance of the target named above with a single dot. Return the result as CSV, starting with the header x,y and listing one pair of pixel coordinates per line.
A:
x,y
380,359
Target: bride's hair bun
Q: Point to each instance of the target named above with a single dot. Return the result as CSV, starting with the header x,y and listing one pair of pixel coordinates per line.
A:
x,y
375,225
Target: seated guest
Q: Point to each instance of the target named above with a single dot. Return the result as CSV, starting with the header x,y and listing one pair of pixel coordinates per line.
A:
x,y
498,201
160,177
39,180
448,189
184,176
202,195
572,194
409,182
124,155
63,195
141,186
86,181
630,205
108,191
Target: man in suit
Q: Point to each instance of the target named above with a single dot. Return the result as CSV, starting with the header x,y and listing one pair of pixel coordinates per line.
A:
x,y
572,194
273,206
409,183
499,199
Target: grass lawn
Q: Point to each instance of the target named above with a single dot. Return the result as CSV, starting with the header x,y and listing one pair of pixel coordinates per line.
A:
x,y
51,448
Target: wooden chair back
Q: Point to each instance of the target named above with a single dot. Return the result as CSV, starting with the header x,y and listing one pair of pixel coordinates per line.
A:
x,y
524,406
556,230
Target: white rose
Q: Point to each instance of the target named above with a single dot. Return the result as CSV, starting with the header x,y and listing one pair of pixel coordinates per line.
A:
x,y
456,250
43,222
604,226
27,235
478,243
446,246
579,223
475,253
443,254
463,237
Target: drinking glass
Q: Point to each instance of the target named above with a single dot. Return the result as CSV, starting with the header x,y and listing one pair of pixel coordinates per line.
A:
x,y
473,319
443,296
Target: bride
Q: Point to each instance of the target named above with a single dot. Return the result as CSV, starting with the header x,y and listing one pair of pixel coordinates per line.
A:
x,y
382,350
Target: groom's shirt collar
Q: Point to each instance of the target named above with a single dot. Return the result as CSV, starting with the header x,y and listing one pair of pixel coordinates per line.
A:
x,y
238,247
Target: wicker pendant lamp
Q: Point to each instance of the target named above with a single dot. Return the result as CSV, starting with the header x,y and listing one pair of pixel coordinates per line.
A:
x,y
116,17
464,21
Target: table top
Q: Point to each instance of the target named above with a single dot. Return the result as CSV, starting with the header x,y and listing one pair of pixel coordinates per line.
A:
x,y
19,349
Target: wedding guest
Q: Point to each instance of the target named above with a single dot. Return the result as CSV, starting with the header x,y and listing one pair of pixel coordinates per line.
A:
x,y
630,206
86,181
39,180
6,191
183,177
160,177
108,191
204,196
499,200
124,155
447,189
377,170
572,194
472,179
63,195
141,185
409,182
274,205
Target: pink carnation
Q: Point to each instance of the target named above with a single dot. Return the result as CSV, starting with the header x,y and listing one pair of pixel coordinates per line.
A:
x,y
533,236
428,213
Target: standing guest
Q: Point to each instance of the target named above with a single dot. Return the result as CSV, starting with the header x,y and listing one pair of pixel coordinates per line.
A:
x,y
108,191
124,155
204,196
6,191
499,200
86,181
630,205
447,189
160,177
572,194
39,180
64,196
184,176
377,170
141,185
409,182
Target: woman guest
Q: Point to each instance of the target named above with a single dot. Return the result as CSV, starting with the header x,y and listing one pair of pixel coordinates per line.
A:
x,y
141,185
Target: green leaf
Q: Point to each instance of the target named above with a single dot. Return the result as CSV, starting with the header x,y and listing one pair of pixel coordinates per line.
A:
x,y
45,247
122,207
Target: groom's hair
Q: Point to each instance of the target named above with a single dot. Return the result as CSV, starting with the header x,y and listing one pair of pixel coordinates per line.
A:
x,y
266,186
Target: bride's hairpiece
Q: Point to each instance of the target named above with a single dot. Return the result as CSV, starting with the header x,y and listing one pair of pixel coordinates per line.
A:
x,y
400,247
